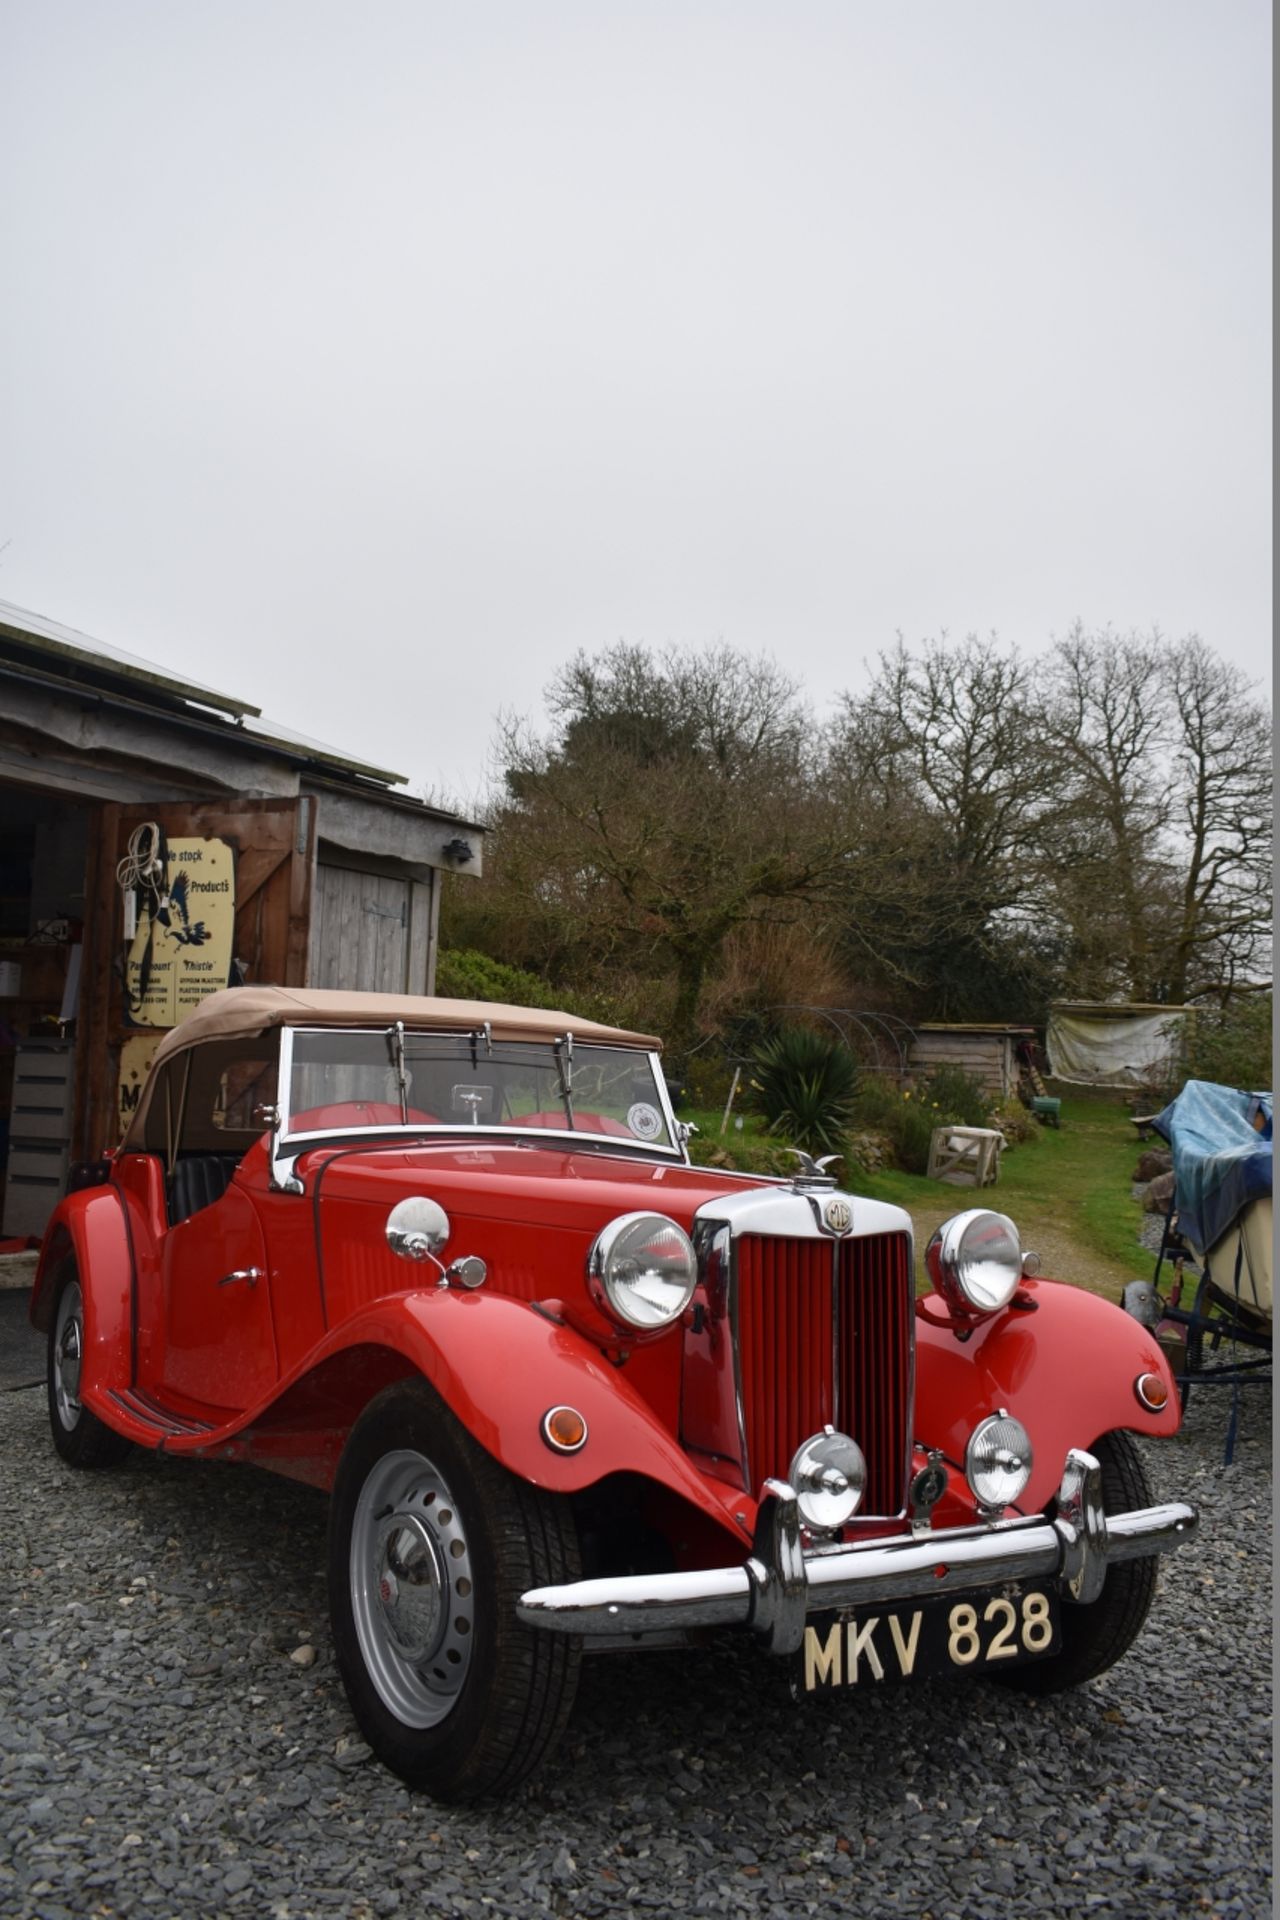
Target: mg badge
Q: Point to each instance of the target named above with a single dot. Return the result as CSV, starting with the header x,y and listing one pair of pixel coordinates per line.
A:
x,y
838,1215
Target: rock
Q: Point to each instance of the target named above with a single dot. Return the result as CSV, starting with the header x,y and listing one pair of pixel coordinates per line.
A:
x,y
870,1151
1158,1195
1155,1160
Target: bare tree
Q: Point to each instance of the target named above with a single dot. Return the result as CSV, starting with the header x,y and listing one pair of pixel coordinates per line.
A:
x,y
943,793
1221,935
1162,845
1104,723
954,721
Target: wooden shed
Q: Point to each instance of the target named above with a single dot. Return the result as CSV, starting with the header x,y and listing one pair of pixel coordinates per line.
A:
x,y
159,839
987,1053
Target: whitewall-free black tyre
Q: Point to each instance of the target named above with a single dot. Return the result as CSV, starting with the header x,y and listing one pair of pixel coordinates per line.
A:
x,y
431,1543
78,1435
1096,1636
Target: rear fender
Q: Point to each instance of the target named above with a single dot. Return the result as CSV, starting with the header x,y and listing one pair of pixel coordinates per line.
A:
x,y
1065,1364
89,1228
500,1367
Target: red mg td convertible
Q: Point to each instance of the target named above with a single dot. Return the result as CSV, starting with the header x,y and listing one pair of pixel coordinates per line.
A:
x,y
450,1261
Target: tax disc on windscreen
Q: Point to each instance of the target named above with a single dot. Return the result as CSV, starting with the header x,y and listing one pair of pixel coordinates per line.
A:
x,y
644,1121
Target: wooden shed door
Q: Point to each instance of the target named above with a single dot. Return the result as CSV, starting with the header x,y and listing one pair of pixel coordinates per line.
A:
x,y
273,852
370,930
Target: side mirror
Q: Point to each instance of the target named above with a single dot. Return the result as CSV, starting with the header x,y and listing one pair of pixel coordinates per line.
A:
x,y
417,1228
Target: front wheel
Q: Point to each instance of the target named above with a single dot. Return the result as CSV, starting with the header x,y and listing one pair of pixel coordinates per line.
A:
x,y
431,1543
79,1436
1096,1636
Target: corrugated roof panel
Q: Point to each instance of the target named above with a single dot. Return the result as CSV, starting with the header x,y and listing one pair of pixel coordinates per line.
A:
x,y
267,730
50,636
66,645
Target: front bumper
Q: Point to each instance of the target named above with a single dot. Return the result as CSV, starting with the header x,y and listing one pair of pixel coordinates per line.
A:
x,y
781,1584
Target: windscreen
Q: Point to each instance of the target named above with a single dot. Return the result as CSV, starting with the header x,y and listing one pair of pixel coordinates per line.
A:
x,y
343,1081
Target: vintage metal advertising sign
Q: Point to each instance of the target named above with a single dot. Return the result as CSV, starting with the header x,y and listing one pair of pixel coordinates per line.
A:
x,y
186,925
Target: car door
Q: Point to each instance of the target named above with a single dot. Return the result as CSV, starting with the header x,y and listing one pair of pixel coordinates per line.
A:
x,y
219,1342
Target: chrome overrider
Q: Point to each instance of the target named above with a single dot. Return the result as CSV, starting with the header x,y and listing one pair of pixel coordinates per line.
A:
x,y
782,1582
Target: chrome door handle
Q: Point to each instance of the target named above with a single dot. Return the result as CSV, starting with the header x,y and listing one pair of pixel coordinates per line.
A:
x,y
250,1276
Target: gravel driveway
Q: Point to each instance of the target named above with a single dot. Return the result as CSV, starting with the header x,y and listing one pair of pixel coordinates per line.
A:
x,y
174,1739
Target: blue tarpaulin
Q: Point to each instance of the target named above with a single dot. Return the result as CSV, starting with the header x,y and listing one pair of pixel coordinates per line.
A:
x,y
1220,1160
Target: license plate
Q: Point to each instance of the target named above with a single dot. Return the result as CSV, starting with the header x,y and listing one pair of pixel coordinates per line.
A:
x,y
973,1633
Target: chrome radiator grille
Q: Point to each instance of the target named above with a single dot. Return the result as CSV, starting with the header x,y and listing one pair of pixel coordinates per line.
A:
x,y
824,1333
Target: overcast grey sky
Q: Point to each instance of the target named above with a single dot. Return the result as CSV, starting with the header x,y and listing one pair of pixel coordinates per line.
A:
x,y
367,360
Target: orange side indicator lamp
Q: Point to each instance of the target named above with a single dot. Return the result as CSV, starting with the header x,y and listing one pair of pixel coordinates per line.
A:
x,y
1151,1391
564,1429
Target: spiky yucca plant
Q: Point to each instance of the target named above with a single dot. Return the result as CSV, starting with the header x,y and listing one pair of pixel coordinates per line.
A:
x,y
805,1085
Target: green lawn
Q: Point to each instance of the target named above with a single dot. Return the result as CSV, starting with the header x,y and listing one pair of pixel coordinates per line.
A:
x,y
1068,1191
1077,1178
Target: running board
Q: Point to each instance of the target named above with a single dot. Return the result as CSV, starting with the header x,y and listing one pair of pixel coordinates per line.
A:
x,y
157,1423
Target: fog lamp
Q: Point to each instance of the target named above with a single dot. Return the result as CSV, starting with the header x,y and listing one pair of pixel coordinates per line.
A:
x,y
997,1460
829,1474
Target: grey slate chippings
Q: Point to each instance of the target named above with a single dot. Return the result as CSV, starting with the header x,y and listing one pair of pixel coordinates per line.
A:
x,y
162,1753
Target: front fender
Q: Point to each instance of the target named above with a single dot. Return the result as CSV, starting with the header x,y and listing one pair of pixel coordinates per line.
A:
x,y
1065,1365
90,1227
499,1367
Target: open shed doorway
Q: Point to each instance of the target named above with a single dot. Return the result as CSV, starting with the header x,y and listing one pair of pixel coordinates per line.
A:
x,y
44,850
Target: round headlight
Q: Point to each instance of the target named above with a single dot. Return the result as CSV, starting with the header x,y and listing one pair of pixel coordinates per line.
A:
x,y
642,1270
975,1260
997,1460
829,1474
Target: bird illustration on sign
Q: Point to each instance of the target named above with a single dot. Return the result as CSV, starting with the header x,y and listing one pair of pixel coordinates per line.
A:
x,y
175,915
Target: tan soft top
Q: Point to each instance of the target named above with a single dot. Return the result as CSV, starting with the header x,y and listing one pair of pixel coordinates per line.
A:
x,y
242,1012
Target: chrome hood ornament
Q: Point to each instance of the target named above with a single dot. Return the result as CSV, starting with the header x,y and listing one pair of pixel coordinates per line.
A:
x,y
811,1173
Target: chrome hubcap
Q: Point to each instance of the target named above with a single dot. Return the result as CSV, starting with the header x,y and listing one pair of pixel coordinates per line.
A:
x,y
68,1354
411,1588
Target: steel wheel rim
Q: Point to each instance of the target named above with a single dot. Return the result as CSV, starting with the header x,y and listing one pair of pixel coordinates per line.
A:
x,y
68,1355
412,1594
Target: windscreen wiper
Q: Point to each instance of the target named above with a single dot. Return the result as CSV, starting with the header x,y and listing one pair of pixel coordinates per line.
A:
x,y
563,1050
395,1040
476,1035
